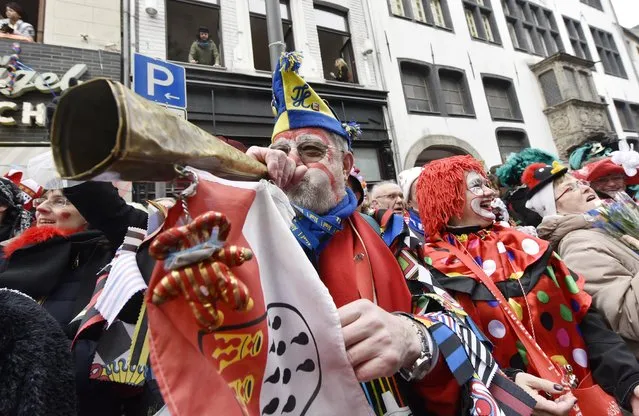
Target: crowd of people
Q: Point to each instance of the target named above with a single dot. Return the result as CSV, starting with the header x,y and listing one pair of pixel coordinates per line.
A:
x,y
476,291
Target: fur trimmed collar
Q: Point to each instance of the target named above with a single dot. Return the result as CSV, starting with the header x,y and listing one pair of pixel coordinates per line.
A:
x,y
35,235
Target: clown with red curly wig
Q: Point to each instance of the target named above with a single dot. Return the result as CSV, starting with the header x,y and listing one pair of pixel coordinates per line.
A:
x,y
524,298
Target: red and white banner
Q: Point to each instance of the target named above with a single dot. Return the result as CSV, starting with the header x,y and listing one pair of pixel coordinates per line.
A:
x,y
284,356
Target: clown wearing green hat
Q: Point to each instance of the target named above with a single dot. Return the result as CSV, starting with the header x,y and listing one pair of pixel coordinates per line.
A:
x,y
385,334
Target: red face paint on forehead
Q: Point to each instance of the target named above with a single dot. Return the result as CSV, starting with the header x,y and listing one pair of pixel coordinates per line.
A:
x,y
293,134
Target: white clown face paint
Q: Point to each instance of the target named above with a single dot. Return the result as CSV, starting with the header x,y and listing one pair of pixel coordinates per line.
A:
x,y
480,196
477,208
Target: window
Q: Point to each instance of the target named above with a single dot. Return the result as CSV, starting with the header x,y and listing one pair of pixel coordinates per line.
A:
x,y
511,141
502,99
33,13
367,160
634,111
593,3
577,39
336,48
259,34
417,89
432,89
431,12
481,20
575,84
628,115
608,53
611,126
454,91
183,20
550,88
532,28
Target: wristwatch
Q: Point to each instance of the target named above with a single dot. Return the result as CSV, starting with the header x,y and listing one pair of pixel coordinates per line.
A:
x,y
422,365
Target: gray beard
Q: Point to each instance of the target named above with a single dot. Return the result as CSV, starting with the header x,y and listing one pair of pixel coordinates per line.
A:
x,y
318,198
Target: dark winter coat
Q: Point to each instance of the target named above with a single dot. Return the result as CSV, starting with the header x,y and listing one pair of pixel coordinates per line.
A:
x,y
36,372
59,272
102,207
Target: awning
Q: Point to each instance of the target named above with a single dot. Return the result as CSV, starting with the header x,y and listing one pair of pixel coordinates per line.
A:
x,y
17,157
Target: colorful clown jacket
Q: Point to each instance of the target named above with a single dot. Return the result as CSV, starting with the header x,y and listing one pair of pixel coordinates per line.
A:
x,y
544,294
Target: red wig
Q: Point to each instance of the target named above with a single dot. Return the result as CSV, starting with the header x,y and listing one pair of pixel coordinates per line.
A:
x,y
441,190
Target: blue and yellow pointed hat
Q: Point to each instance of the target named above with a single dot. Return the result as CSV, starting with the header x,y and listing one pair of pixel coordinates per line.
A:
x,y
296,105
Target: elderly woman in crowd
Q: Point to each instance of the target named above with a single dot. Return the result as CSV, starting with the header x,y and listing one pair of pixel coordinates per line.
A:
x,y
610,267
56,260
521,295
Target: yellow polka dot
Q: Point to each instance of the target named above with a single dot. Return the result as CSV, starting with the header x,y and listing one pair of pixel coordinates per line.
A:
x,y
559,359
516,307
516,275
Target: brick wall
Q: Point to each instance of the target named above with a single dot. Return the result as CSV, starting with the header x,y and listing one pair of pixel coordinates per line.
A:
x,y
56,59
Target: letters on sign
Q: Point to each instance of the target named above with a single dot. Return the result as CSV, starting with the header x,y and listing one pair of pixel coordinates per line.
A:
x,y
46,82
30,114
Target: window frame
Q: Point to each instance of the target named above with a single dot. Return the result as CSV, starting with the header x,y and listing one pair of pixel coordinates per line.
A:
x,y
608,54
337,9
409,14
215,4
628,111
434,89
467,100
499,130
531,35
512,97
479,12
288,21
598,5
429,85
577,39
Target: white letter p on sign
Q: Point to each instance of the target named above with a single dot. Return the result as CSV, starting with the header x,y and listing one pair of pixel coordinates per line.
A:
x,y
151,81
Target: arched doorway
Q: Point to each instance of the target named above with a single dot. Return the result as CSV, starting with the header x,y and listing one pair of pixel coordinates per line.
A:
x,y
437,152
434,147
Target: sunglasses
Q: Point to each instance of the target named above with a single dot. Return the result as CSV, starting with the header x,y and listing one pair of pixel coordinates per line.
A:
x,y
310,150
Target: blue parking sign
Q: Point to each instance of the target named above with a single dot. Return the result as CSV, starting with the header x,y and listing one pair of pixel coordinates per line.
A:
x,y
160,81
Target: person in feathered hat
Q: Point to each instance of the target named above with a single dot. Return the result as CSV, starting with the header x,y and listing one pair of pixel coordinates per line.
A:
x,y
608,262
531,306
310,159
509,175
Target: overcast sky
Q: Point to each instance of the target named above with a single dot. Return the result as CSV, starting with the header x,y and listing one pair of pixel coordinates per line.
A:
x,y
627,12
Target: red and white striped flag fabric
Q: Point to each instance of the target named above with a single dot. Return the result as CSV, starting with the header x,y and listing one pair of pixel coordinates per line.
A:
x,y
284,356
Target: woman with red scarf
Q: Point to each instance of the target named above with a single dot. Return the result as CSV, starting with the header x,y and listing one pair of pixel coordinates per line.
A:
x,y
520,293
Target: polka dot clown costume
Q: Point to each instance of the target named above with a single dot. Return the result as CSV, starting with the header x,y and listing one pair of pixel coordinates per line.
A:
x,y
520,293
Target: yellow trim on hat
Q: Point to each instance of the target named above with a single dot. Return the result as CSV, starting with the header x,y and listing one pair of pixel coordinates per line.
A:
x,y
281,124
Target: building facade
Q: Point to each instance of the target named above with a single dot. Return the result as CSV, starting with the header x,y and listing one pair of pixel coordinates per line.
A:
x,y
74,39
489,77
233,99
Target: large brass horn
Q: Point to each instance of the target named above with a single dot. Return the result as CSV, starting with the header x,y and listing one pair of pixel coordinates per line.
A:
x,y
101,127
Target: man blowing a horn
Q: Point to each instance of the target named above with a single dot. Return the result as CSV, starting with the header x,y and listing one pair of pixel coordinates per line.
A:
x,y
310,159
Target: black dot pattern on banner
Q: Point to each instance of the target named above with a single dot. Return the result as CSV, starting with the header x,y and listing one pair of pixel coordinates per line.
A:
x,y
287,376
277,322
290,405
281,348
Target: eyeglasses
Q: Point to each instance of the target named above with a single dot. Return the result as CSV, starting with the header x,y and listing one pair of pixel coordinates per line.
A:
x,y
309,150
56,202
478,187
392,196
573,186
